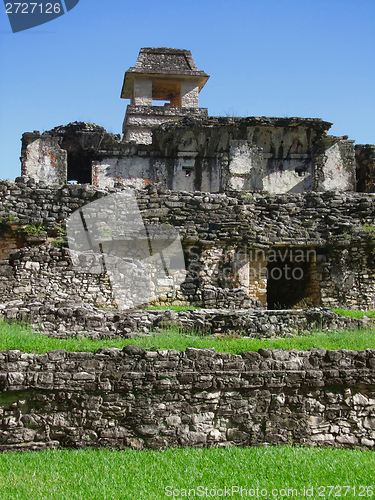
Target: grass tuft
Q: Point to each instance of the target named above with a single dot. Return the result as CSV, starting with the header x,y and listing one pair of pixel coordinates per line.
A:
x,y
354,313
172,308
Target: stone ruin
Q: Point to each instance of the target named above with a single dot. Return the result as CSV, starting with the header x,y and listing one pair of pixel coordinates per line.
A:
x,y
179,147
276,220
247,195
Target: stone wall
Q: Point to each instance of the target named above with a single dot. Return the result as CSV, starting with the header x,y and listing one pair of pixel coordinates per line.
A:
x,y
69,317
141,118
275,155
228,240
186,150
44,273
143,399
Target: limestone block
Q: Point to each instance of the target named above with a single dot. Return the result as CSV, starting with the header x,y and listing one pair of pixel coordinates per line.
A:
x,y
189,94
139,136
46,161
339,167
369,423
245,166
142,92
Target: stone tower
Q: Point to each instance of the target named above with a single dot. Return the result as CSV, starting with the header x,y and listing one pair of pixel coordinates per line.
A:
x,y
160,74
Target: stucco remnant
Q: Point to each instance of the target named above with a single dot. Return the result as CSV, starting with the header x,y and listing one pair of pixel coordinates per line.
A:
x,y
44,159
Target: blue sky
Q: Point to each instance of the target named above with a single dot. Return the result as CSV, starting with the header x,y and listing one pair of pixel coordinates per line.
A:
x,y
309,58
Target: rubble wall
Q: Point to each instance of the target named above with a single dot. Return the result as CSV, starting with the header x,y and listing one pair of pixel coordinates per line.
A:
x,y
217,231
66,318
142,399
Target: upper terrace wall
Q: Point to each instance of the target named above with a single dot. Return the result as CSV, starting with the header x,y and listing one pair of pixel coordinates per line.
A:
x,y
275,155
228,240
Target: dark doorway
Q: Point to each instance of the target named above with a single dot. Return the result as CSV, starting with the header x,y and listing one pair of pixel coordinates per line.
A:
x,y
292,279
79,166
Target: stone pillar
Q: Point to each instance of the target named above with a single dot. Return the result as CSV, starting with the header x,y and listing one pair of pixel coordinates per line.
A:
x,y
257,266
339,166
142,92
245,169
189,94
335,167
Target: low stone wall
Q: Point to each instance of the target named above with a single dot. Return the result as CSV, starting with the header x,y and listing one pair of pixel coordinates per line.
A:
x,y
67,318
134,398
47,273
260,323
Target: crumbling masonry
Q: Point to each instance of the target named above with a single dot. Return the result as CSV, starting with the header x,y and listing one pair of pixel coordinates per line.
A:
x,y
247,194
273,214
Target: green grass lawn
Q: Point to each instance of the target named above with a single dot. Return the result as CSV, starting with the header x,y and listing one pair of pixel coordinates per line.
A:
x,y
119,475
14,336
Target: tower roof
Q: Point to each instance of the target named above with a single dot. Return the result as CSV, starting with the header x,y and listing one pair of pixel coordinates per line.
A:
x,y
163,62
